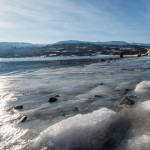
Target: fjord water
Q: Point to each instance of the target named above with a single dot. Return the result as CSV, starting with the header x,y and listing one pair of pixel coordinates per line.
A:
x,y
86,115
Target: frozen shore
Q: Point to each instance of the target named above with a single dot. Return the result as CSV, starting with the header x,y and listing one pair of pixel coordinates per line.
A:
x,y
87,113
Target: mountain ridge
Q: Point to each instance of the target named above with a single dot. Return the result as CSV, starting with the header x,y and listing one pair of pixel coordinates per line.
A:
x,y
27,44
103,43
69,48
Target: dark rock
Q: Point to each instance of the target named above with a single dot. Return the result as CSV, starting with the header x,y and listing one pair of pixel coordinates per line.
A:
x,y
126,91
127,101
18,107
139,55
97,96
103,60
23,119
76,108
57,96
121,55
52,99
101,84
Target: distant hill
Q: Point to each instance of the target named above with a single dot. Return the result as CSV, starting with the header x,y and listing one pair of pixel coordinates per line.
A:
x,y
115,43
7,45
69,48
140,44
71,42
121,43
99,43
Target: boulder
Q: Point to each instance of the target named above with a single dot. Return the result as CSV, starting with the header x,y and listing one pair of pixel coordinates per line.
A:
x,y
52,99
18,107
127,101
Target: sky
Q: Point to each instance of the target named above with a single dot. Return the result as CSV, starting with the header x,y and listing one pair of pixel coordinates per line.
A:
x,y
49,21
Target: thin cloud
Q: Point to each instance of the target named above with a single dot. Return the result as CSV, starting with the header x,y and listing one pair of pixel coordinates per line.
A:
x,y
69,18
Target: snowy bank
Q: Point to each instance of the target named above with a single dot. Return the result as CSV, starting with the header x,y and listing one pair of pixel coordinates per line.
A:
x,y
96,130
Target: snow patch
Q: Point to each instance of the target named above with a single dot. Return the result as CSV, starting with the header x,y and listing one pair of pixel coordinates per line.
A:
x,y
91,131
140,143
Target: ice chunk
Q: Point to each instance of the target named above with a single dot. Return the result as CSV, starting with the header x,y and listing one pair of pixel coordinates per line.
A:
x,y
138,136
146,105
139,143
100,129
143,87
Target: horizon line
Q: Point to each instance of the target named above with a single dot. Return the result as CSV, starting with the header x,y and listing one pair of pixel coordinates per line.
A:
x,y
44,43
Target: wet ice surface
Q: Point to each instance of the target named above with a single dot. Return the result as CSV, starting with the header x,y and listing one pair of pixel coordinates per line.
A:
x,y
70,122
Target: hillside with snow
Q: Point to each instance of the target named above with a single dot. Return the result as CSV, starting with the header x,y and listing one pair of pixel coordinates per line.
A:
x,y
69,48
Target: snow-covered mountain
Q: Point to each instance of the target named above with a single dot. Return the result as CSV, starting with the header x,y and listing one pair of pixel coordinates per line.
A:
x,y
99,43
7,45
69,48
114,43
121,43
71,42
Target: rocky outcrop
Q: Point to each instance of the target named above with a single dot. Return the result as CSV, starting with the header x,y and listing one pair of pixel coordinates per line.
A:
x,y
52,99
127,101
18,107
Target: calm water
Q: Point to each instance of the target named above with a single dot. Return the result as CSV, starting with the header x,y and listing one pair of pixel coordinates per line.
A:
x,y
83,86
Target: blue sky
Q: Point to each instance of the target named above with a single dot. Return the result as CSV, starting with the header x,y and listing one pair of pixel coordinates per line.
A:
x,y
48,21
